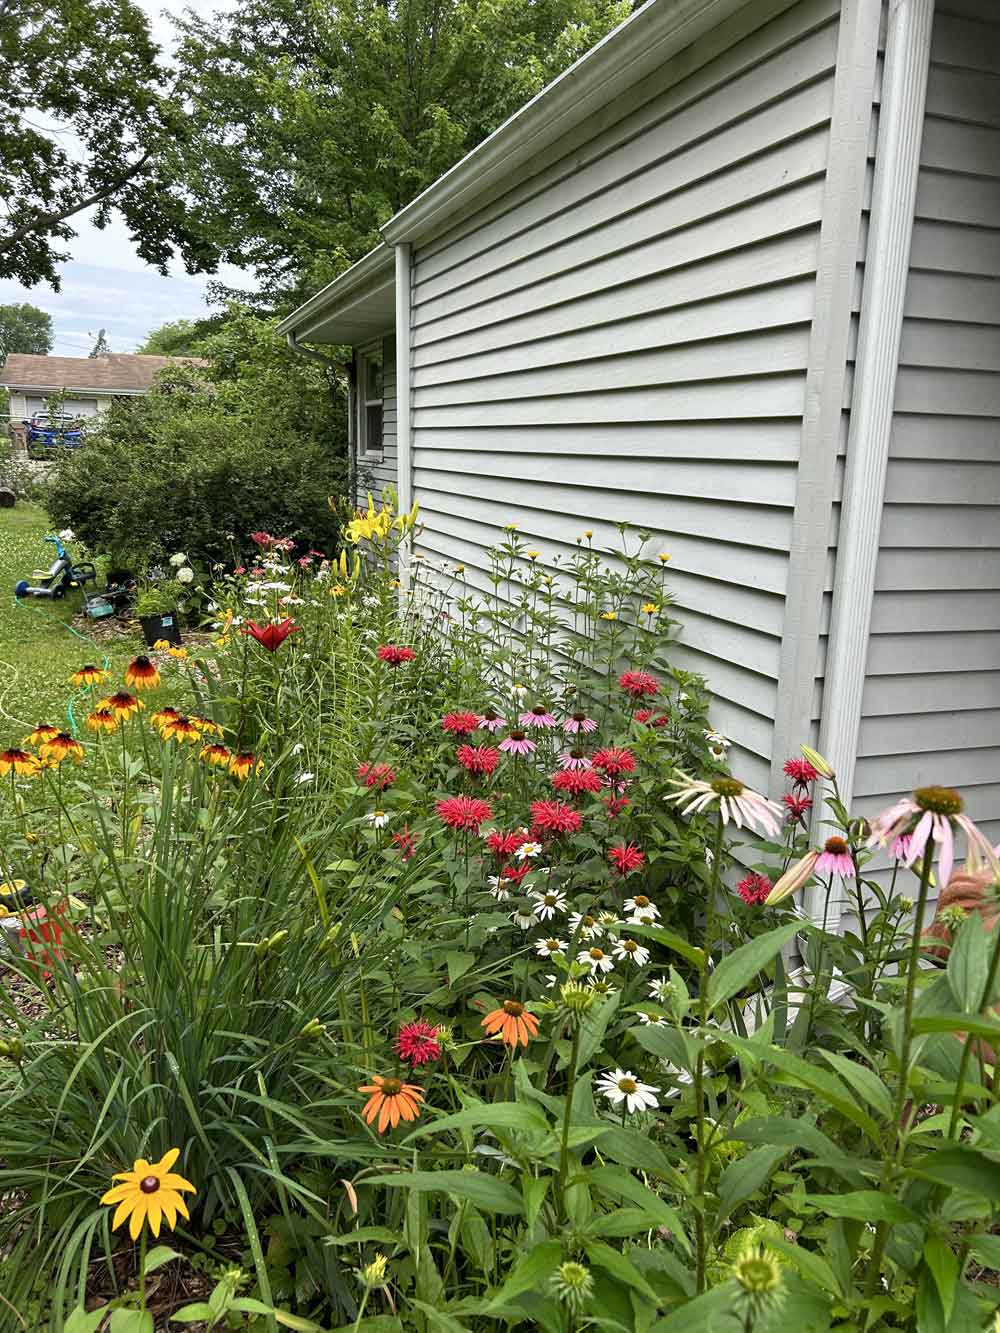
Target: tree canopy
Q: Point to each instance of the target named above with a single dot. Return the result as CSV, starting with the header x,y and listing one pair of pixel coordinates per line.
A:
x,y
25,328
181,337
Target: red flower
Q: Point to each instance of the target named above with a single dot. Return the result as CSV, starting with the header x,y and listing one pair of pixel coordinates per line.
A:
x,y
504,844
753,889
416,1043
639,683
405,842
272,636
478,758
262,538
797,806
614,761
616,804
554,817
460,724
646,716
626,857
389,652
576,780
515,873
800,771
378,776
464,812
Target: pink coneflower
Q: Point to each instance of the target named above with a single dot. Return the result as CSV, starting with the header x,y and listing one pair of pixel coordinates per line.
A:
x,y
538,717
405,843
492,721
478,758
626,857
932,812
573,759
517,743
460,724
754,888
835,859
394,655
615,805
801,772
553,817
639,684
576,781
416,1043
737,803
505,844
464,812
614,761
578,722
797,807
900,848
377,776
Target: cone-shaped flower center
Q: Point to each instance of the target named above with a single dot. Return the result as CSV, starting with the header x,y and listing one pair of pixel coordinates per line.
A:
x,y
641,900
517,735
578,754
629,946
626,1085
513,1007
939,800
391,1087
588,922
552,946
835,845
149,1184
727,786
579,717
597,954
539,710
758,1273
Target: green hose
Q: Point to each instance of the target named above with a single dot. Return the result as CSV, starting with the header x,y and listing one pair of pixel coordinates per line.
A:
x,y
74,730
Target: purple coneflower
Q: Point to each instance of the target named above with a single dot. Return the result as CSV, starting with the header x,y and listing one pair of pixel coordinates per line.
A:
x,y
578,722
538,717
835,859
573,759
517,743
931,813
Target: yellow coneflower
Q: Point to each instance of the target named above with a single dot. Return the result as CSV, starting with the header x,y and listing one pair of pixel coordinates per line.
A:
x,y
21,763
180,728
609,615
141,674
179,653
162,646
218,756
162,716
121,704
149,1193
244,763
43,732
60,747
88,675
649,608
206,725
102,719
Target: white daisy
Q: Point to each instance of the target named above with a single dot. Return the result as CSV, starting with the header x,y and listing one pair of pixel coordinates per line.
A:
x,y
621,1085
661,989
586,926
648,1019
642,919
498,887
527,849
596,959
640,903
548,903
631,951
717,740
599,986
546,948
378,818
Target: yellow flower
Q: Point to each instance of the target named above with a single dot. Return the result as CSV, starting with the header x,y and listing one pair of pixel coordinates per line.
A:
x,y
609,615
510,527
88,675
337,590
178,652
162,646
149,1193
663,557
459,569
532,555
589,533
650,608
222,642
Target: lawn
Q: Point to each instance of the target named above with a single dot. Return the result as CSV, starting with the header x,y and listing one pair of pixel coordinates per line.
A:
x,y
41,641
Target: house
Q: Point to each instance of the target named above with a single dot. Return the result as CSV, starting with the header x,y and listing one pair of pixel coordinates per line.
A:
x,y
735,277
92,383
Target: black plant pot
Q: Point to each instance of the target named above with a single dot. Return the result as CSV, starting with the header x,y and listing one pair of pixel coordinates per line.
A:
x,y
166,627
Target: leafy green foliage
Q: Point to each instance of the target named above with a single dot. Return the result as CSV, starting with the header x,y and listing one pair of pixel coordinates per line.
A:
x,y
25,328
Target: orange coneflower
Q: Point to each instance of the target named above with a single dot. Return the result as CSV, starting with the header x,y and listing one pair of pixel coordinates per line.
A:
x,y
18,761
162,716
206,725
88,675
43,732
513,1022
180,729
244,763
60,747
216,755
121,704
391,1101
141,674
102,719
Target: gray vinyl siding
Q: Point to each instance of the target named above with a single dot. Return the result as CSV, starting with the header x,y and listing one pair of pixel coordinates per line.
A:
x,y
624,336
374,472
931,706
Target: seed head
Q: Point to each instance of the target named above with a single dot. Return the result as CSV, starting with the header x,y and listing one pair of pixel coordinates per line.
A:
x,y
572,1284
759,1273
939,800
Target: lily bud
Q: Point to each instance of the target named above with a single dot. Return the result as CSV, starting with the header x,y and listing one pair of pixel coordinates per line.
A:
x,y
794,877
817,761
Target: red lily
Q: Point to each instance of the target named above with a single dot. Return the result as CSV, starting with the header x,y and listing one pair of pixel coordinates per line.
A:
x,y
271,636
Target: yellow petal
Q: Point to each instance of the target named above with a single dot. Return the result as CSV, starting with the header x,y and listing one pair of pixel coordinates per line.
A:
x,y
172,1182
138,1216
117,1193
124,1208
181,1206
167,1160
153,1214
169,1205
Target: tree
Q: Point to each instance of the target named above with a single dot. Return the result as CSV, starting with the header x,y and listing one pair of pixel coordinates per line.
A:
x,y
25,328
180,337
88,119
313,123
100,347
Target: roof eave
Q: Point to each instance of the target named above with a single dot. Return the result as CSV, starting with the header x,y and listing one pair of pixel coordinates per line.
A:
x,y
73,389
319,308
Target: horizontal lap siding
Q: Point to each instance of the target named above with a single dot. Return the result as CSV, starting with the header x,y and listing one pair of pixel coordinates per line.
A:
x,y
623,337
375,473
931,705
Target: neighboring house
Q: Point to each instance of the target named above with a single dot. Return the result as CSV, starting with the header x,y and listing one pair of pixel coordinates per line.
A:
x,y
732,277
91,383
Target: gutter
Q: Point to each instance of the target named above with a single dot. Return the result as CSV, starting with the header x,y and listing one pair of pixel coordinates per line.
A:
x,y
375,263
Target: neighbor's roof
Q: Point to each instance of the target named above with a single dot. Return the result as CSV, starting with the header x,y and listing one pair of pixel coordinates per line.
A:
x,y
111,373
362,296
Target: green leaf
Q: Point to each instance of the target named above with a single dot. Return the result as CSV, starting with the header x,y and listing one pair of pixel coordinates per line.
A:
x,y
809,1263
621,1223
158,1256
619,1184
132,1321
617,1265
247,1305
188,1314
985,1248
348,866
380,1234
865,1082
806,1138
741,966
485,1191
438,1318
502,1115
943,1265
84,1321
528,1274
862,1205
533,1191
968,964
960,1168
691,952
744,1177
458,964
296,1321
978,1024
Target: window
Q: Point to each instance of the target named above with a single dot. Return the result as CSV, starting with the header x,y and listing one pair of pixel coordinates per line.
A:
x,y
370,403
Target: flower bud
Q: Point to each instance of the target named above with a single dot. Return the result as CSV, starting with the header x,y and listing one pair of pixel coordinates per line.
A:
x,y
314,1028
794,877
817,761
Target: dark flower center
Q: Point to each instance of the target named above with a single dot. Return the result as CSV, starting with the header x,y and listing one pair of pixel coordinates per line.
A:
x,y
513,1007
587,921
391,1087
727,786
629,946
579,717
149,1184
641,900
835,845
597,954
939,800
517,735
539,710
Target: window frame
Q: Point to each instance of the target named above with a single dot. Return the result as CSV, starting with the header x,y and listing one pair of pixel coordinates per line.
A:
x,y
365,447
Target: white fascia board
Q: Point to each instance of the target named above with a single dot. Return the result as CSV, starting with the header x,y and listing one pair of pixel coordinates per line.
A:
x,y
73,391
329,299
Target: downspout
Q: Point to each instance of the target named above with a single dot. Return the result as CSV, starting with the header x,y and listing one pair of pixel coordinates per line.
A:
x,y
404,441
344,368
897,160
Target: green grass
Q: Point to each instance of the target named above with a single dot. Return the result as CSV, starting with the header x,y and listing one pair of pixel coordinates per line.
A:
x,y
38,651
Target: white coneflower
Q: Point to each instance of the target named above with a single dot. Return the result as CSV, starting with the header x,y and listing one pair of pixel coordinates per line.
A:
x,y
528,849
547,903
621,1085
498,887
662,989
642,919
610,922
523,915
378,818
640,903
716,740
546,948
585,925
648,1019
737,804
596,959
599,986
631,951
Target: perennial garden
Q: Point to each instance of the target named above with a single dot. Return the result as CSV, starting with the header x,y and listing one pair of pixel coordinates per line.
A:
x,y
411,958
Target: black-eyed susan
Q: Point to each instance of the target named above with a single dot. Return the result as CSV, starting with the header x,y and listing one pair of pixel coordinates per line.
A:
x,y
162,646
151,1193
242,764
206,726
88,675
121,704
162,716
179,653
19,762
61,746
182,729
102,719
217,756
43,732
141,674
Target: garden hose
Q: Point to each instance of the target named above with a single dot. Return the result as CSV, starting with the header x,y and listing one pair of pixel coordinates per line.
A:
x,y
105,664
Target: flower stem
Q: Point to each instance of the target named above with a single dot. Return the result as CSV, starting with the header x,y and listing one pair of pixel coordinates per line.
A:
x,y
568,1116
142,1270
701,1167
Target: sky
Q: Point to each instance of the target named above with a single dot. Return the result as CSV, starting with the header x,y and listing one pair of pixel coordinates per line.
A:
x,y
105,285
